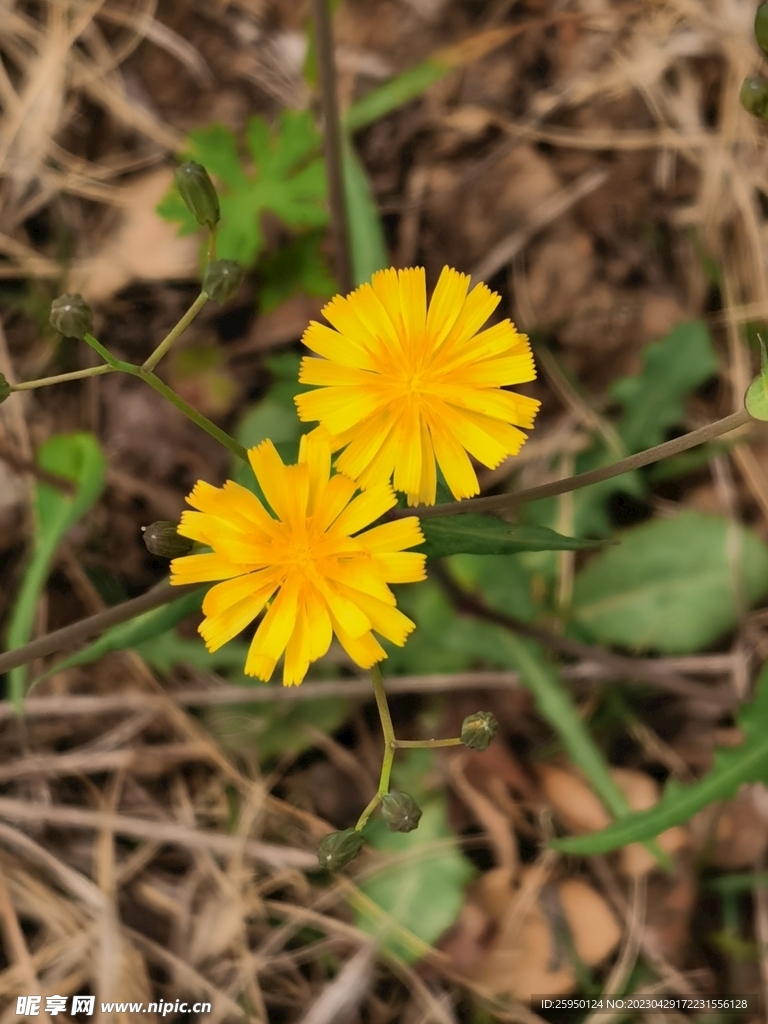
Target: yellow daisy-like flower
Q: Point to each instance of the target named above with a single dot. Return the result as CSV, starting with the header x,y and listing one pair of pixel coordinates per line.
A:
x,y
320,573
403,385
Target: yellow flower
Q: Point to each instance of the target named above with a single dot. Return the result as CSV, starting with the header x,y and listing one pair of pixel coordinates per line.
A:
x,y
320,573
403,385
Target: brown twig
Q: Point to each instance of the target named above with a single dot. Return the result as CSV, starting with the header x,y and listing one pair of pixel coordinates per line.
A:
x,y
69,636
656,671
270,854
332,141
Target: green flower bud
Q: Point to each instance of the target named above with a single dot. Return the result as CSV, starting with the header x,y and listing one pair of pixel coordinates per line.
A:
x,y
163,539
761,27
71,316
198,192
339,848
400,811
478,730
754,96
5,388
222,279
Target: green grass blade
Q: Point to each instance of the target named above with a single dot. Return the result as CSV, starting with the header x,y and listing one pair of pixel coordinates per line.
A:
x,y
395,93
554,703
366,237
79,458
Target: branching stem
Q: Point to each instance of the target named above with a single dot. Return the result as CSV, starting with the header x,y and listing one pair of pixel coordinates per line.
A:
x,y
389,746
175,332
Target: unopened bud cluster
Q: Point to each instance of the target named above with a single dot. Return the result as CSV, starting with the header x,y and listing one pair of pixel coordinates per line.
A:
x,y
162,539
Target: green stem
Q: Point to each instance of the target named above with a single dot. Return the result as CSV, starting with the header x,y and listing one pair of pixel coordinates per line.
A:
x,y
62,378
389,746
175,332
211,254
455,741
496,502
106,355
191,413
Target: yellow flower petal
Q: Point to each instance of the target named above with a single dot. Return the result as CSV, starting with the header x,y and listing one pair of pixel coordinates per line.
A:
x,y
306,560
202,569
390,537
364,650
446,305
364,509
412,403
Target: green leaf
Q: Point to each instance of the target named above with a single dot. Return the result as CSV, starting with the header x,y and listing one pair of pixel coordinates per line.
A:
x,y
668,585
505,584
278,729
288,180
733,767
424,891
555,704
298,267
485,535
654,401
79,458
165,650
443,641
366,236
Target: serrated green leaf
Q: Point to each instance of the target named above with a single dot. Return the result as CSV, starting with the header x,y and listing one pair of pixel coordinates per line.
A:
x,y
733,767
654,401
485,535
668,585
219,148
423,892
288,180
79,458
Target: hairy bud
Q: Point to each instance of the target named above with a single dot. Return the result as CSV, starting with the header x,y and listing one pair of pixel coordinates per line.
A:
x,y
339,848
71,316
222,279
478,730
198,192
400,811
162,539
